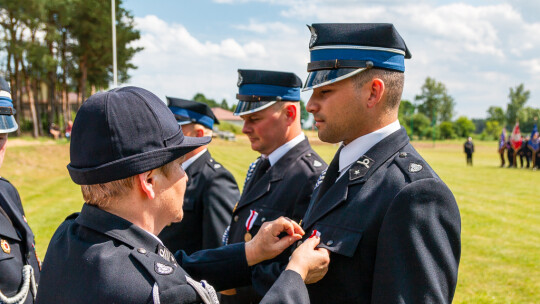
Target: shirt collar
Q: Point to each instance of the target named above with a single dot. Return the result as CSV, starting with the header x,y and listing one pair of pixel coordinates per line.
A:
x,y
192,159
358,147
278,153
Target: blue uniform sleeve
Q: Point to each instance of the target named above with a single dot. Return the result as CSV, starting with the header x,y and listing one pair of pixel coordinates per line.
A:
x,y
289,288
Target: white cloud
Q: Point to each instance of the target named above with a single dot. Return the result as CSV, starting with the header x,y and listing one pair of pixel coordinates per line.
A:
x,y
263,28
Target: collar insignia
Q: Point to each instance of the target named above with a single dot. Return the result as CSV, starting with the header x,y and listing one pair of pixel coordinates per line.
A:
x,y
413,168
360,167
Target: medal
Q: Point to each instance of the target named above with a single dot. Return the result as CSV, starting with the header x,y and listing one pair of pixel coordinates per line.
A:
x,y
5,246
249,223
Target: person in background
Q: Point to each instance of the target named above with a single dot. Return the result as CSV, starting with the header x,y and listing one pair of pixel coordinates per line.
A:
x,y
510,154
19,264
68,129
502,146
281,180
211,189
468,148
126,153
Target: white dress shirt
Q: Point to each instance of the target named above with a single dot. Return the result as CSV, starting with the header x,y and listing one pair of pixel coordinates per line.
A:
x,y
358,147
279,152
192,159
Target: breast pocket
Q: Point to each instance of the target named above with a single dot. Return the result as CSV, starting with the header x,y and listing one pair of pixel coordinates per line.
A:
x,y
336,239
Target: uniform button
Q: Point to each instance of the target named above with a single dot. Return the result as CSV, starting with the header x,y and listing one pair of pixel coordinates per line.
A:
x,y
141,250
329,243
403,154
236,218
263,219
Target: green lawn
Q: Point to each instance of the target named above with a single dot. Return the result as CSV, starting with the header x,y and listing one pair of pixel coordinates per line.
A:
x,y
500,260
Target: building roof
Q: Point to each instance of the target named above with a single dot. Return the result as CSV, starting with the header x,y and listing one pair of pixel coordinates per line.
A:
x,y
224,115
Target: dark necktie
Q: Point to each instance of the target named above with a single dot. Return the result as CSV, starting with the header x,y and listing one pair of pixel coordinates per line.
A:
x,y
331,175
260,170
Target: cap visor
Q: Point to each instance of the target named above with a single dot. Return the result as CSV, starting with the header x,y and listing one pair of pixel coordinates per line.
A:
x,y
321,78
248,107
8,124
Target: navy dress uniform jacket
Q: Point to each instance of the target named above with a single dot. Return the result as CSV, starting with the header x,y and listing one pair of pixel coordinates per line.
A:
x,y
392,228
97,257
211,194
17,243
284,190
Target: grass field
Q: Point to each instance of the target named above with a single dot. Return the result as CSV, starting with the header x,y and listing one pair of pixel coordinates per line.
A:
x,y
500,208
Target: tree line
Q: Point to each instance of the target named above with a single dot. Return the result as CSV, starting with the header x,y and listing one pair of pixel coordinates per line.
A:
x,y
431,115
51,48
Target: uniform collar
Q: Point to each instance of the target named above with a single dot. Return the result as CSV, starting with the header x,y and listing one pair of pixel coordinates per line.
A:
x,y
117,228
192,159
278,153
358,147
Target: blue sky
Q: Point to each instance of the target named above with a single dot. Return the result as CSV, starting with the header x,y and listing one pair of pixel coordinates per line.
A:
x,y
478,49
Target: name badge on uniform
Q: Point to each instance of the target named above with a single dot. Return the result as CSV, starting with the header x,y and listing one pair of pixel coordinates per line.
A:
x,y
249,224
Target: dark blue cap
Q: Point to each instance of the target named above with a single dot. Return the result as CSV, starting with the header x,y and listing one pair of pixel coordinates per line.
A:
x,y
122,133
188,111
341,50
7,120
257,89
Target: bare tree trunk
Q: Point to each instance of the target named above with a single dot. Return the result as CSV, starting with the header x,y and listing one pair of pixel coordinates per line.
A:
x,y
84,77
37,98
31,101
66,112
17,97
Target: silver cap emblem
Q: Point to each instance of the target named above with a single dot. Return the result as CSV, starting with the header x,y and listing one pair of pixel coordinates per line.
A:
x,y
240,79
313,36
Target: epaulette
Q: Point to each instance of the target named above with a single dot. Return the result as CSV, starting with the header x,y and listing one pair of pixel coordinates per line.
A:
x,y
212,163
413,166
72,216
313,161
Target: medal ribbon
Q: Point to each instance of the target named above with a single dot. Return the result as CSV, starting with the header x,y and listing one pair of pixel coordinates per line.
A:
x,y
251,219
315,233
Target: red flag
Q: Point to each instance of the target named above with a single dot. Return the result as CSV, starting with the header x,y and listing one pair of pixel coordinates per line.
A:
x,y
515,138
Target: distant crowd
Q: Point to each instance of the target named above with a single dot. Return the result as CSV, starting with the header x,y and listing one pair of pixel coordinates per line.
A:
x,y
517,147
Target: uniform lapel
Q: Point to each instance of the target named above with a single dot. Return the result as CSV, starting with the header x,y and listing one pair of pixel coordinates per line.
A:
x,y
274,174
17,220
196,167
359,172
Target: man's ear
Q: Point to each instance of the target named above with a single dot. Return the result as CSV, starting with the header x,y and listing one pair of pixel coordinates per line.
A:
x,y
199,132
377,89
146,181
291,112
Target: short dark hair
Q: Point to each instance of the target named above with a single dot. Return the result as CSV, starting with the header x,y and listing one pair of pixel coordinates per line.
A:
x,y
393,81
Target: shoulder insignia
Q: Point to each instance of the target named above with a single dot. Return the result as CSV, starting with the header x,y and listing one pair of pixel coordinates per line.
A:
x,y
360,167
162,268
217,166
413,168
317,163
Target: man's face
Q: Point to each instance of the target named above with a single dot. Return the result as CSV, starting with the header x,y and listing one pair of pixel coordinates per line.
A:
x,y
338,111
3,144
266,129
173,190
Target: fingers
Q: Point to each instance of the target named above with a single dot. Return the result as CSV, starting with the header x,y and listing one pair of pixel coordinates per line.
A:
x,y
287,225
286,241
312,242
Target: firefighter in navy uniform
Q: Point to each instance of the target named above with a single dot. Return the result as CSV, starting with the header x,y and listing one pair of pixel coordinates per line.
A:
x,y
280,182
390,223
19,265
126,152
211,190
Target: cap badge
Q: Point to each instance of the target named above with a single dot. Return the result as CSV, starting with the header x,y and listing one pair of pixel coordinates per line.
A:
x,y
5,246
163,269
240,79
413,168
313,36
